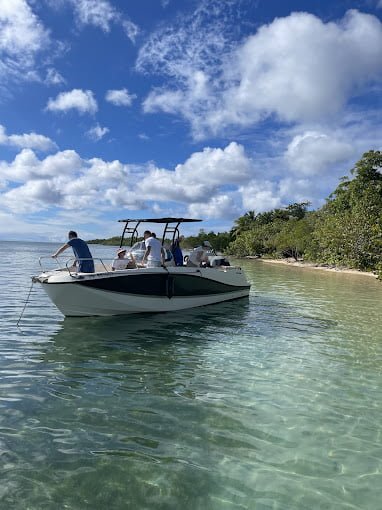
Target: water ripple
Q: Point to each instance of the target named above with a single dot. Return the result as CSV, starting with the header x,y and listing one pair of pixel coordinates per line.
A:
x,y
268,403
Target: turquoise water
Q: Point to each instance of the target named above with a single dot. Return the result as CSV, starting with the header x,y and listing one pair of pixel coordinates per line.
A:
x,y
268,403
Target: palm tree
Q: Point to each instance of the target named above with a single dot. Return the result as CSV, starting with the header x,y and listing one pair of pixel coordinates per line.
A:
x,y
243,223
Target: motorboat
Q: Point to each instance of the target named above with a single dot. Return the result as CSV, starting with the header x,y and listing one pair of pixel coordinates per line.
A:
x,y
142,289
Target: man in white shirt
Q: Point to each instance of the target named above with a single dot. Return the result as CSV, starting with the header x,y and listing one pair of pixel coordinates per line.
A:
x,y
154,251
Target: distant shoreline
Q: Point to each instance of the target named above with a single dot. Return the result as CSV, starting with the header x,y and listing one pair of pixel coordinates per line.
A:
x,y
311,265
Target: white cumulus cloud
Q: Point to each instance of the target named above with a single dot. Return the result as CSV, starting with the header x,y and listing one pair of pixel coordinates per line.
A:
x,y
22,38
297,68
260,196
64,180
207,180
302,68
27,140
81,100
314,152
27,166
218,207
200,176
120,97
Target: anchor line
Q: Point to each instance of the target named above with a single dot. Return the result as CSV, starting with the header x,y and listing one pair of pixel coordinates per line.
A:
x,y
25,304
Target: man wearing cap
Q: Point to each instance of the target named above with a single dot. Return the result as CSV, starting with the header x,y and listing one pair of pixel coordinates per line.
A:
x,y
81,251
198,255
121,263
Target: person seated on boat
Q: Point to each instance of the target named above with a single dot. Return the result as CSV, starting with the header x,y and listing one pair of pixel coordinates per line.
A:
x,y
198,256
177,252
120,262
81,251
154,254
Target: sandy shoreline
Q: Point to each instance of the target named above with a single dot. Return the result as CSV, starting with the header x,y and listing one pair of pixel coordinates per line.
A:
x,y
310,265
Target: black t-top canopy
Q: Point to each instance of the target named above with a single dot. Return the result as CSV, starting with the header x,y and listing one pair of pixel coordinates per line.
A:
x,y
159,220
172,230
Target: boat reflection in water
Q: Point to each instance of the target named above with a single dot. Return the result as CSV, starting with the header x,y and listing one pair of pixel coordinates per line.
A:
x,y
144,343
143,289
139,330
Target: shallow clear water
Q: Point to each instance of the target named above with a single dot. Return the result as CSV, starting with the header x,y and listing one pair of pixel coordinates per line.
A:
x,y
268,403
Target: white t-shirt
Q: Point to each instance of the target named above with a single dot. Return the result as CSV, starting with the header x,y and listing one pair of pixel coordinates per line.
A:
x,y
119,263
155,249
123,262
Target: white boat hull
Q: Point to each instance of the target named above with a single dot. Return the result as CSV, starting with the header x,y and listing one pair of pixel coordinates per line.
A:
x,y
129,292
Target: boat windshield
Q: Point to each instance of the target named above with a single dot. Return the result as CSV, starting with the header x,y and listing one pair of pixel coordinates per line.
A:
x,y
138,250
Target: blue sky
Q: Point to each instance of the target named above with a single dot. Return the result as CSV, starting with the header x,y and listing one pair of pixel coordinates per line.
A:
x,y
207,109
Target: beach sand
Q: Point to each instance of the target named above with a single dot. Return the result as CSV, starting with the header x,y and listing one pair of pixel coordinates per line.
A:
x,y
311,265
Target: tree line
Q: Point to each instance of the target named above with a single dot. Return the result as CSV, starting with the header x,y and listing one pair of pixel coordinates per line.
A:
x,y
346,231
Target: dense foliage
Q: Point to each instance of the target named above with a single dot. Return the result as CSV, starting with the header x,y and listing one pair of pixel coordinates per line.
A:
x,y
219,241
281,231
346,231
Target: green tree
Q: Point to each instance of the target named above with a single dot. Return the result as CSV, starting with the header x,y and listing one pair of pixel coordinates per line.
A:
x,y
349,227
219,241
294,238
243,223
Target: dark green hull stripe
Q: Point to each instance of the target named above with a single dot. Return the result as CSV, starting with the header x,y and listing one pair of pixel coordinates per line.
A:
x,y
162,285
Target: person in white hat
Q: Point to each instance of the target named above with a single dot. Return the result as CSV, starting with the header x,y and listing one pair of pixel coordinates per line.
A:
x,y
120,262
